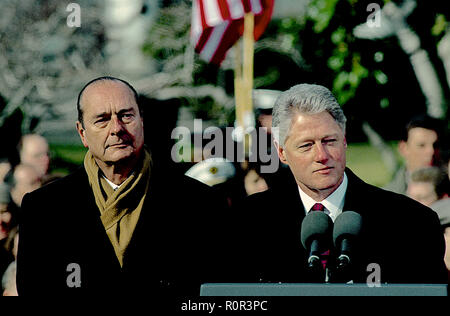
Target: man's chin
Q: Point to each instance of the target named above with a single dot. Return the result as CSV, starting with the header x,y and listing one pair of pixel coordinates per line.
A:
x,y
330,183
120,155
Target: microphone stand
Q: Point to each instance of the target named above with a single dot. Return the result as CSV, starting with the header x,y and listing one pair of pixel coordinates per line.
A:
x,y
344,267
316,271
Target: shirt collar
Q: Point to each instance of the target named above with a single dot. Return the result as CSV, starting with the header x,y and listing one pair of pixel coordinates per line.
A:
x,y
112,184
333,204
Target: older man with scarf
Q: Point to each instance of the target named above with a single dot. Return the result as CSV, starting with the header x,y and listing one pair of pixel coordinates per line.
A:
x,y
118,224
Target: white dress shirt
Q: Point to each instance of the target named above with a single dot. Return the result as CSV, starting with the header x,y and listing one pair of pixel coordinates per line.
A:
x,y
112,184
333,204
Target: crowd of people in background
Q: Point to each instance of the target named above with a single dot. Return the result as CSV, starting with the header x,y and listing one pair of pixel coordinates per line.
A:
x,y
424,176
16,181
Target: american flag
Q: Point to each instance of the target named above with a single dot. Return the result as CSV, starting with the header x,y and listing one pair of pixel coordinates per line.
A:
x,y
218,24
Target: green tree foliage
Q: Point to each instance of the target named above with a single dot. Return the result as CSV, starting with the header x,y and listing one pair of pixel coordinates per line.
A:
x,y
372,79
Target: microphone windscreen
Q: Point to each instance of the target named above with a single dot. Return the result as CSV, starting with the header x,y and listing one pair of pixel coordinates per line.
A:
x,y
347,224
315,225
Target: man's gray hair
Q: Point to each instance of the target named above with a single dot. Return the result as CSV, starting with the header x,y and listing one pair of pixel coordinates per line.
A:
x,y
303,99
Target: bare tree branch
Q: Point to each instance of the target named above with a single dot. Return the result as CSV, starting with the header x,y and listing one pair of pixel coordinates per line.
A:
x,y
42,57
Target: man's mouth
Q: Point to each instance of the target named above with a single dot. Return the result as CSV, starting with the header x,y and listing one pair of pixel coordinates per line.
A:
x,y
325,170
119,145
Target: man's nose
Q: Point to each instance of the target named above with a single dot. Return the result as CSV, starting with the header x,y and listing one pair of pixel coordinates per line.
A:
x,y
116,125
432,150
321,154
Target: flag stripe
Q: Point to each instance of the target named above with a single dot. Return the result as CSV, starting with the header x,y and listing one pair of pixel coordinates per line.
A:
x,y
202,14
247,6
203,40
212,12
218,24
224,10
196,27
229,38
256,6
236,9
214,40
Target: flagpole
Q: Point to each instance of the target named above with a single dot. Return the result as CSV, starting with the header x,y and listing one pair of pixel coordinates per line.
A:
x,y
238,85
249,22
243,81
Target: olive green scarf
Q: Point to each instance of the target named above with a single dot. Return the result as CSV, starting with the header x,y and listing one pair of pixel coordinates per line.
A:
x,y
120,209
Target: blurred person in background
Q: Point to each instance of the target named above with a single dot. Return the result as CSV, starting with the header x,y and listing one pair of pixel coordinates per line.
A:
x,y
6,217
233,181
428,185
264,101
8,226
442,207
447,250
5,168
419,147
12,242
212,171
9,277
34,151
254,180
25,180
9,280
221,175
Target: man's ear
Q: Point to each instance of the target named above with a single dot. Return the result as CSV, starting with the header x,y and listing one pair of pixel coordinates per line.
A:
x,y
81,131
280,152
402,148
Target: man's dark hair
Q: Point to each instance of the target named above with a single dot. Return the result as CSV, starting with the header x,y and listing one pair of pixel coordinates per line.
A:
x,y
423,121
104,78
434,175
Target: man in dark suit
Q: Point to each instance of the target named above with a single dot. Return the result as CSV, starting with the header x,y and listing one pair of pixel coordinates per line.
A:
x,y
400,240
118,225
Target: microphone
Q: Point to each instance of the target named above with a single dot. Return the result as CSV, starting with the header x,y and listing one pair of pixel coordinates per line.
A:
x,y
316,237
347,228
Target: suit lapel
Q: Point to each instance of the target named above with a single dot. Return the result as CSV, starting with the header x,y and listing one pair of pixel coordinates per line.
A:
x,y
288,202
291,196
354,197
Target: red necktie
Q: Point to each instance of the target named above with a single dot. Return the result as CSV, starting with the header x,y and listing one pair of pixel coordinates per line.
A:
x,y
318,207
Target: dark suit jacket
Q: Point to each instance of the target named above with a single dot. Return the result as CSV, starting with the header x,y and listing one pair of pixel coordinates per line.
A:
x,y
172,251
399,234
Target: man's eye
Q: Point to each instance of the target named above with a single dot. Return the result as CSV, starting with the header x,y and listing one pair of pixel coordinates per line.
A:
x,y
305,146
127,116
101,120
329,141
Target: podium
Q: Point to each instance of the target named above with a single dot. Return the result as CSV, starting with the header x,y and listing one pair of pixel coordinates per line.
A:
x,y
316,289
